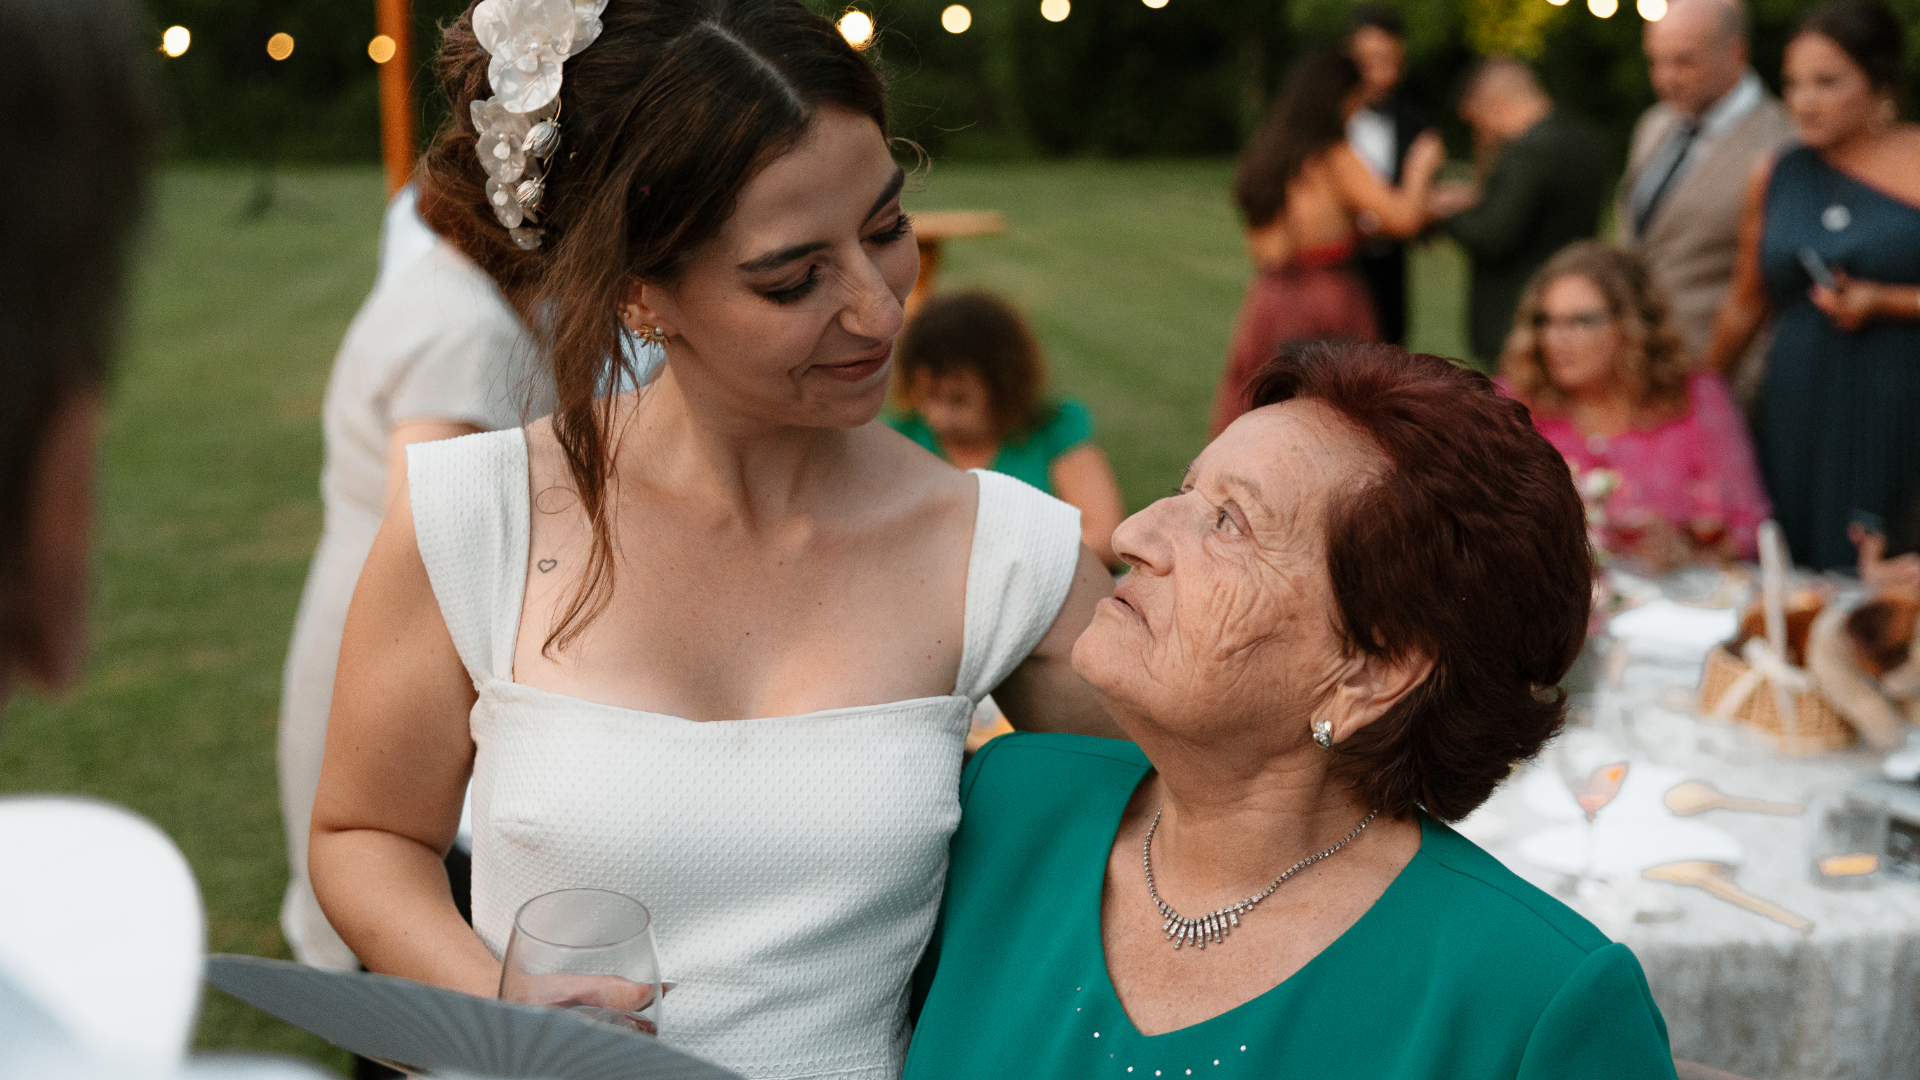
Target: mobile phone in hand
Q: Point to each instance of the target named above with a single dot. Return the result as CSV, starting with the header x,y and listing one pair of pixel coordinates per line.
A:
x,y
1816,268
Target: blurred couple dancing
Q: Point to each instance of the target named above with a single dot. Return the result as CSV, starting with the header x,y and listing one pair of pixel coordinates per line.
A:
x,y
715,642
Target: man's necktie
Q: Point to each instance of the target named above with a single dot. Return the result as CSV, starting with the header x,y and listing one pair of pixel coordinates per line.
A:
x,y
1677,147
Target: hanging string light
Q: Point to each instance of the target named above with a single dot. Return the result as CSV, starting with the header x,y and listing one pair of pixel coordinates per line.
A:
x,y
956,19
1603,8
857,27
1652,10
280,46
381,49
1055,10
1155,4
176,41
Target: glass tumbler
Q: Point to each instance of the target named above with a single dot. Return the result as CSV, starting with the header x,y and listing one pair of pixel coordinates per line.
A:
x,y
1846,838
588,950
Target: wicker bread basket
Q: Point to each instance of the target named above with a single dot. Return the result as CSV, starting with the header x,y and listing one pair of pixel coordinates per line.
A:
x,y
1819,728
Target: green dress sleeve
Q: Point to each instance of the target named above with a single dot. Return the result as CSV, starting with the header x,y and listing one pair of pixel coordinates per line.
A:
x,y
1071,425
1602,1024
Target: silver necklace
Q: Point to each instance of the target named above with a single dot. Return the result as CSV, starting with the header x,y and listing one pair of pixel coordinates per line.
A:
x,y
1216,925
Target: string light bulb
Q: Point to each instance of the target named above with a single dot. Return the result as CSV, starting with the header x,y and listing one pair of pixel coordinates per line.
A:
x,y
1056,10
280,46
956,19
176,41
1155,4
1603,8
1652,10
1558,3
381,49
857,27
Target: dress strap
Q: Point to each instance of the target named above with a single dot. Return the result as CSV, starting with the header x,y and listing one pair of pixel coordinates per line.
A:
x,y
469,498
1026,546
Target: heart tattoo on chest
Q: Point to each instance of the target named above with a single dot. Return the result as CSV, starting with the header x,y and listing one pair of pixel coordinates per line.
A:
x,y
547,564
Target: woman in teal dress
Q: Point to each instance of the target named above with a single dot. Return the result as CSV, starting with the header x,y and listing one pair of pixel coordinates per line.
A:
x,y
1838,426
1342,632
969,376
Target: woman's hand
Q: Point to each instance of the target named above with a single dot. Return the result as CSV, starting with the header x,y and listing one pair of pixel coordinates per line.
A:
x,y
1855,302
607,998
1424,157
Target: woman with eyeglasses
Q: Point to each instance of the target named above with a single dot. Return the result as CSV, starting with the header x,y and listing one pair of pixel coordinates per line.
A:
x,y
1664,451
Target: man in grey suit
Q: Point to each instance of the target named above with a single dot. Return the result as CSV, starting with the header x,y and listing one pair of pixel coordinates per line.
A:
x,y
1680,198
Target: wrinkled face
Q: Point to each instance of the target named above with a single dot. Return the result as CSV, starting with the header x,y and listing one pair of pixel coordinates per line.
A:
x,y
789,315
1828,95
1580,337
1379,56
1226,625
957,406
1691,61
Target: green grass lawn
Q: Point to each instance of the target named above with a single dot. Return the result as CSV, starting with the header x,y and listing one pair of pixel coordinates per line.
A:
x,y
1131,274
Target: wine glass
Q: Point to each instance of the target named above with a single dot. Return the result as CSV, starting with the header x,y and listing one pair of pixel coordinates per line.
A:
x,y
1707,525
1593,769
587,950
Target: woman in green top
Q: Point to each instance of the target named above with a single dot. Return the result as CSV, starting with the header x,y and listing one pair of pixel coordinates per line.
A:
x,y
1342,632
970,375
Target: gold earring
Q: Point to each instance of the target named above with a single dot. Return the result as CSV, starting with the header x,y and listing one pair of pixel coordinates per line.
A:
x,y
651,335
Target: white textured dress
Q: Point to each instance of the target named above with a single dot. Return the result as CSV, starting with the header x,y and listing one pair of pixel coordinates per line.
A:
x,y
793,865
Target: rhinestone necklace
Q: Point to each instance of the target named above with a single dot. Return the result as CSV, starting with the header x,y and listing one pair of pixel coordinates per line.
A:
x,y
1216,925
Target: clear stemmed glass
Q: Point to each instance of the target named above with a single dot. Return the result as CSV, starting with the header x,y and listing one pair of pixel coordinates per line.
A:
x,y
1593,769
588,950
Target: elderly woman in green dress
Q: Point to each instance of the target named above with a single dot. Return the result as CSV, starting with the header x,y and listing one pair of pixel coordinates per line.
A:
x,y
1340,633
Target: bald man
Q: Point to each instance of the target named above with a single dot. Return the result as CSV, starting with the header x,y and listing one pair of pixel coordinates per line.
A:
x,y
1544,191
1679,201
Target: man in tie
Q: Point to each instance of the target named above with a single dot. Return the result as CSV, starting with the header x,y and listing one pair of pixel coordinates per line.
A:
x,y
1679,200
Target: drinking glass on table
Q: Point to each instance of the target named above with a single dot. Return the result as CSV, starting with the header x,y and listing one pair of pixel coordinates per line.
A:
x,y
1707,523
587,950
1593,767
1846,837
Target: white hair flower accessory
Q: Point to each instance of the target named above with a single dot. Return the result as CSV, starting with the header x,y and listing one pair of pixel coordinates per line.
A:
x,y
529,41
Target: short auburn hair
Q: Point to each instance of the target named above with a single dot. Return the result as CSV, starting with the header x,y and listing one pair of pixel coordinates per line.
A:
x,y
981,333
1472,550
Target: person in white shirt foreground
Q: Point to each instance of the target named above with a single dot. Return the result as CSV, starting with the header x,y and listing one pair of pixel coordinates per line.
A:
x,y
101,931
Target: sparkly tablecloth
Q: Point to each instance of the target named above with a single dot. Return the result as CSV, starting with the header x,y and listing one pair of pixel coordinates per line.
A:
x,y
1741,992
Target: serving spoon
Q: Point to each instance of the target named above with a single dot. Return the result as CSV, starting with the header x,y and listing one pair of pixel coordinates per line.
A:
x,y
1717,878
1695,796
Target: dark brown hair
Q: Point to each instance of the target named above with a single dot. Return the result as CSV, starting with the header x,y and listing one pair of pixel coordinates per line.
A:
x,y
82,116
1869,34
665,118
1472,550
1653,360
972,331
1307,118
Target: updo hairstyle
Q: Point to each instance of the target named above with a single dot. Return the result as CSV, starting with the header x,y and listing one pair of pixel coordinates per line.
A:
x,y
1869,34
664,120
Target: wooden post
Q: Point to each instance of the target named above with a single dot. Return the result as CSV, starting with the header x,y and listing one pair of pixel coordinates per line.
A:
x,y
394,18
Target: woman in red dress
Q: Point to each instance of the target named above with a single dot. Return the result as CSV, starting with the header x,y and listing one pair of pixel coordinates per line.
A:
x,y
1306,197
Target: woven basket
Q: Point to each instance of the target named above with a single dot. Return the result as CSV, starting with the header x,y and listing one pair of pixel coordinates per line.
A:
x,y
1819,728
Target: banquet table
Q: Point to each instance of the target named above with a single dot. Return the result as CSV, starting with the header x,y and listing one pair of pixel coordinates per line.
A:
x,y
1739,992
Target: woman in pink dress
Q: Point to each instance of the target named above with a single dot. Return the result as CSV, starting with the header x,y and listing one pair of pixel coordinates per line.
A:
x,y
1305,194
1593,355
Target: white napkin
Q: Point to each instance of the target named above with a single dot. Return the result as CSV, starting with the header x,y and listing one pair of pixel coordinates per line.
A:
x,y
1665,632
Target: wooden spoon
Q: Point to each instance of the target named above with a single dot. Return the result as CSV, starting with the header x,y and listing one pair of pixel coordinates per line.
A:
x,y
1695,796
1717,878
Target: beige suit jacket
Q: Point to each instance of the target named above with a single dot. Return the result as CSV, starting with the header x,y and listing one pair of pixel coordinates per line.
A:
x,y
1693,239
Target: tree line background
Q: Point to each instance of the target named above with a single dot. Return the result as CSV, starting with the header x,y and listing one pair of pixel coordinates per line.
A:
x,y
1115,79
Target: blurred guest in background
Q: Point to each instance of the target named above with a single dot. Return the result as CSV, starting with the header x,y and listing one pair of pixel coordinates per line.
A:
x,y
1596,359
88,891
1341,632
1679,201
1382,132
1302,190
1830,246
435,352
1543,191
971,375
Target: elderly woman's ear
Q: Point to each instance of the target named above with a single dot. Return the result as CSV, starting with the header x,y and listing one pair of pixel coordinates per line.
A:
x,y
1368,686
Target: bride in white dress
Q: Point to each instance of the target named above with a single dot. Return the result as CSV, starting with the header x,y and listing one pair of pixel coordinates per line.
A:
x,y
714,644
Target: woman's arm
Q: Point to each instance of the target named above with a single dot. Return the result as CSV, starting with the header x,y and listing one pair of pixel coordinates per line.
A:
x,y
398,756
1746,304
1082,478
1044,693
1401,210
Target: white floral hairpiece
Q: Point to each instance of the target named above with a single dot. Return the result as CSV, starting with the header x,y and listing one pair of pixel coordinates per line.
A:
x,y
529,41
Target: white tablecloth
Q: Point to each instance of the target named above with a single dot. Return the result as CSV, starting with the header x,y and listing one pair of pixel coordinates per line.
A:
x,y
1741,992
